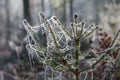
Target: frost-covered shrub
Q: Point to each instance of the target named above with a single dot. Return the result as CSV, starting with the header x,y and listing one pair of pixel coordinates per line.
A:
x,y
59,48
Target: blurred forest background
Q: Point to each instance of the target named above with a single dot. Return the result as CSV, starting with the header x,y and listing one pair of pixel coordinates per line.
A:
x,y
14,60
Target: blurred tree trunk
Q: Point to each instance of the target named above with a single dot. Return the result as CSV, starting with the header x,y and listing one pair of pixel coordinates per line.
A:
x,y
11,14
3,26
71,9
26,10
96,11
35,8
42,3
117,1
7,23
15,17
48,10
64,8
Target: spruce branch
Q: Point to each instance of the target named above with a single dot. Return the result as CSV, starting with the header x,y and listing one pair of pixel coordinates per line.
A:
x,y
34,36
75,26
51,31
63,27
81,30
88,34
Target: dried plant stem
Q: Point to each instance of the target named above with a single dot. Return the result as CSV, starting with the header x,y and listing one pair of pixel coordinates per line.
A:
x,y
107,51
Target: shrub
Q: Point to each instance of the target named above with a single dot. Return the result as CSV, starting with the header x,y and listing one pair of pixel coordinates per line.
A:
x,y
60,48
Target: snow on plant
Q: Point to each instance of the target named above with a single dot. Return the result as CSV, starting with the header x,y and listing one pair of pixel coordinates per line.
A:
x,y
62,49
